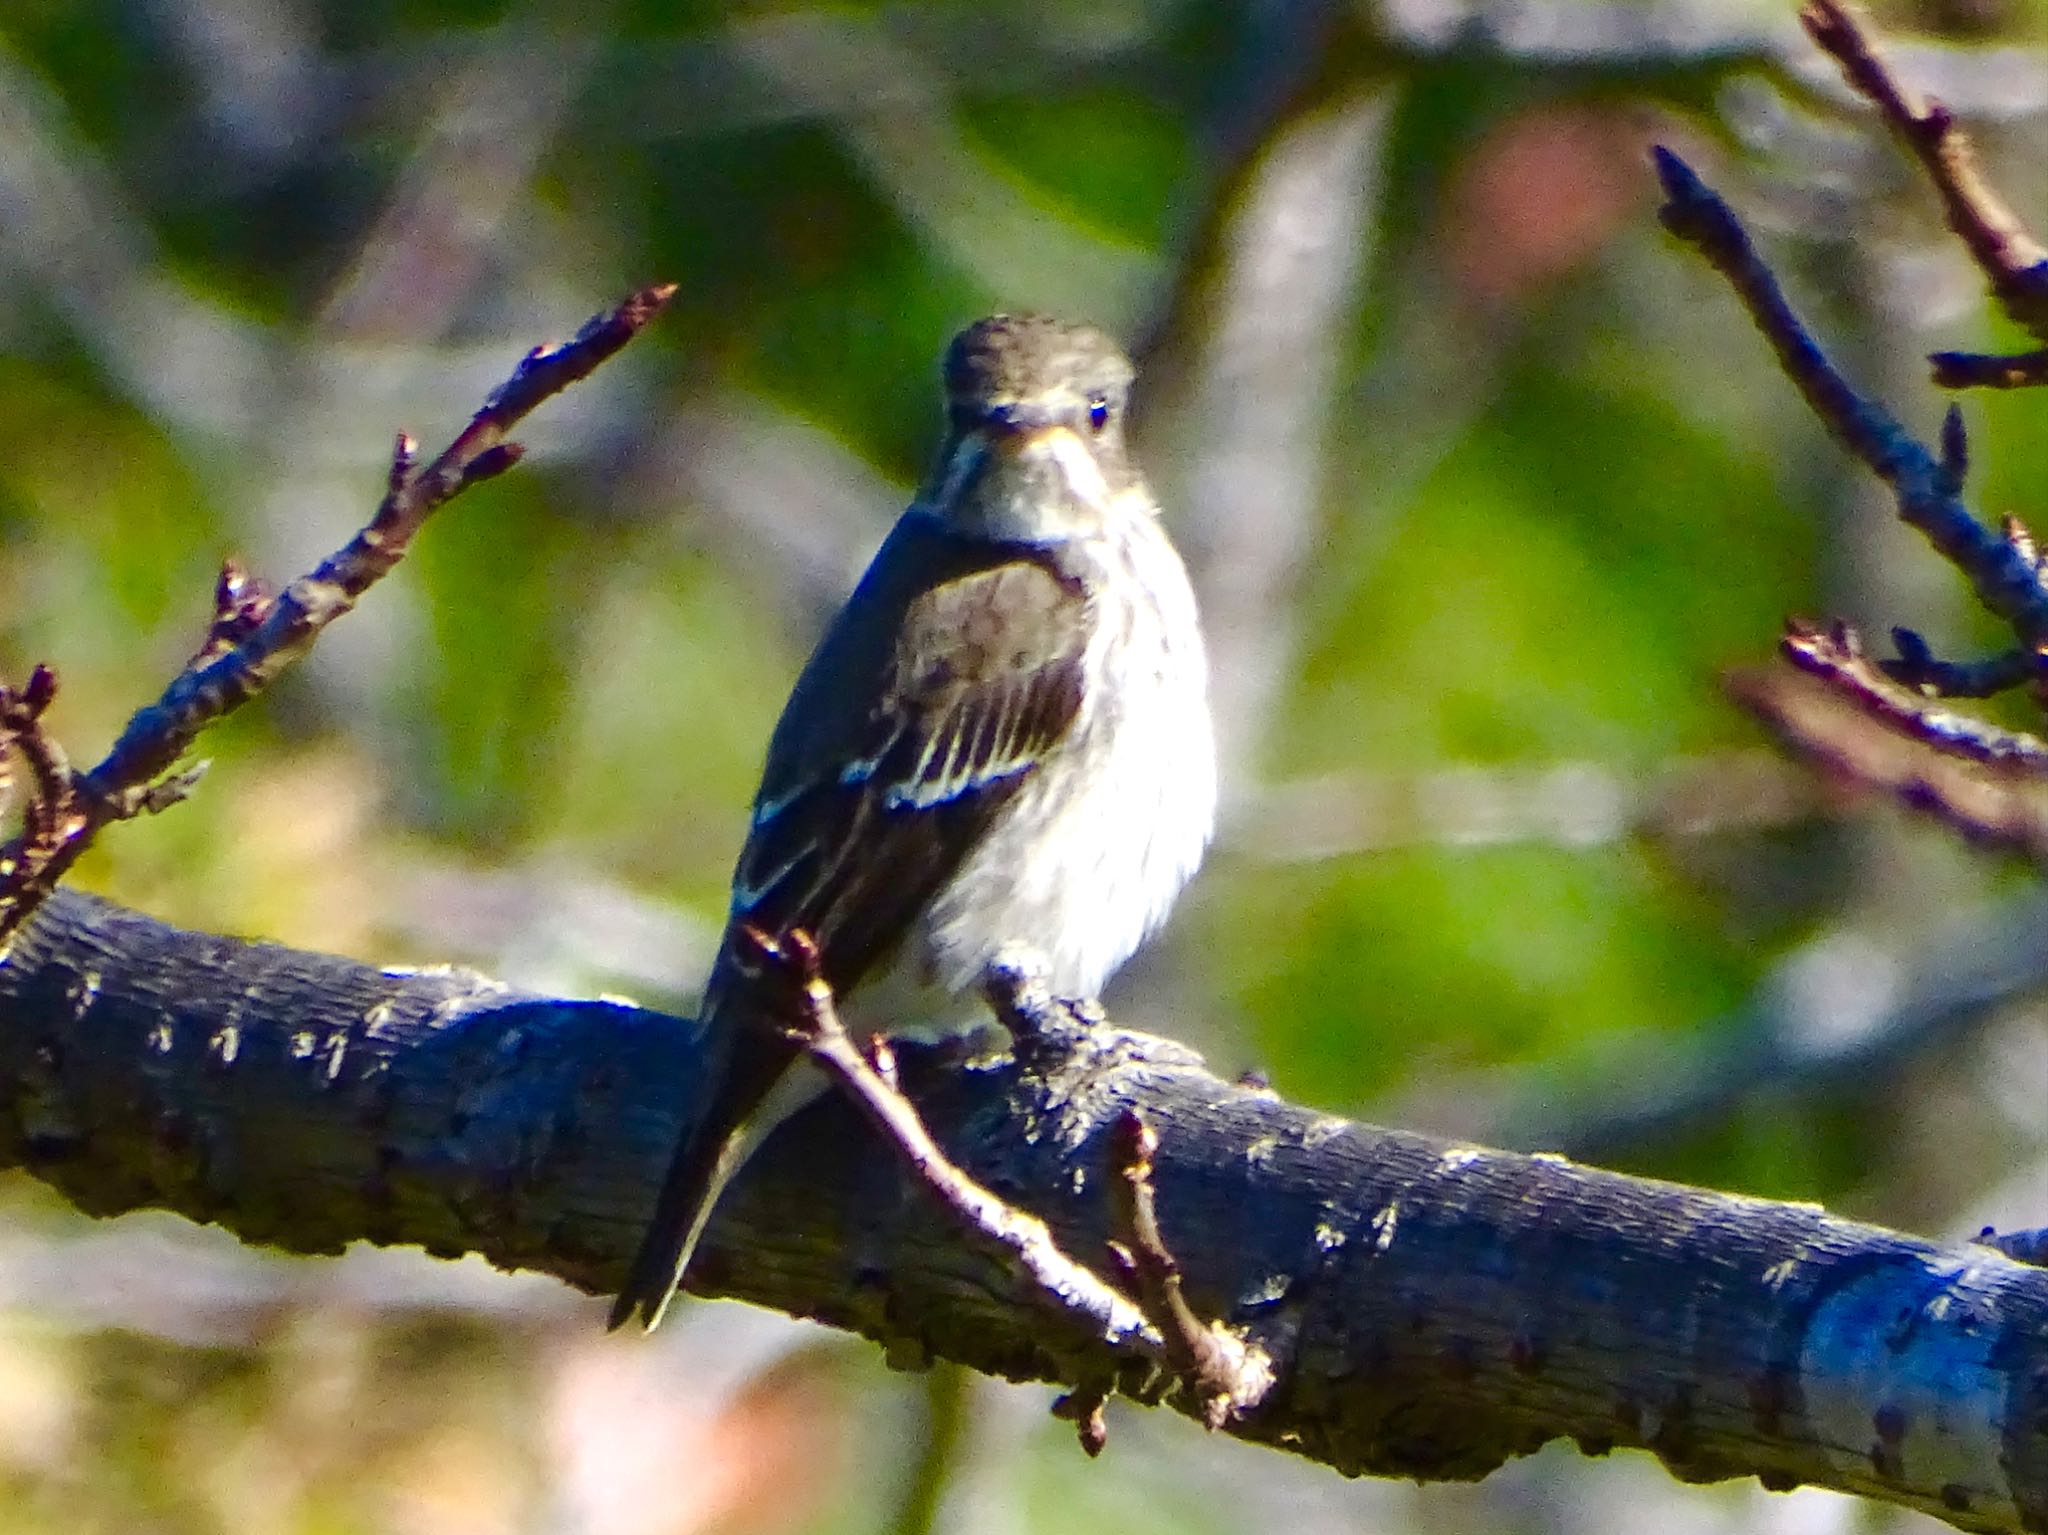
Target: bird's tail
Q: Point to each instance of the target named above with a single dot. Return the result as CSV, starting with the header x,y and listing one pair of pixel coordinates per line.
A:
x,y
745,1106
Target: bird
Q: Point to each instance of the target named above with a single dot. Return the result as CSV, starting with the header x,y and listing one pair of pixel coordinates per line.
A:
x,y
1003,738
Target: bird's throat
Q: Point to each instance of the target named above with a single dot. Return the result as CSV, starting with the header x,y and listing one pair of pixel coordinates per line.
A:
x,y
1040,487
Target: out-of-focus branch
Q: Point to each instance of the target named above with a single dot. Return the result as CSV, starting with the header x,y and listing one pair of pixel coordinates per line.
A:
x,y
1843,1012
1835,655
255,636
1917,753
2013,262
1240,365
1570,803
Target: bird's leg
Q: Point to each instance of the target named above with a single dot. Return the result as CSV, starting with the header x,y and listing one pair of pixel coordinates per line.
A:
x,y
1043,1026
1064,1036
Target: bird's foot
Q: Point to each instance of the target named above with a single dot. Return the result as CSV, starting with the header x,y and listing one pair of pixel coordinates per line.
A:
x,y
1051,1031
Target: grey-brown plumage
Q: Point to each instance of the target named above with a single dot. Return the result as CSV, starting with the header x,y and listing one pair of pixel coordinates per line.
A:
x,y
1003,737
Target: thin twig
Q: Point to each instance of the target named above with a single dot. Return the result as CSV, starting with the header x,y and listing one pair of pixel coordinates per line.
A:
x,y
815,1024
1227,1374
241,602
1997,802
50,812
157,736
255,636
1877,725
1926,487
1835,655
1917,667
1978,370
2013,262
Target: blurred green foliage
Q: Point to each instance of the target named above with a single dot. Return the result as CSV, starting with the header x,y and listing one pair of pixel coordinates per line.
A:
x,y
1560,489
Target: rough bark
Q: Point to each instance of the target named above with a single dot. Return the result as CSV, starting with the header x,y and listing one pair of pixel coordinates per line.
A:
x,y
1432,1308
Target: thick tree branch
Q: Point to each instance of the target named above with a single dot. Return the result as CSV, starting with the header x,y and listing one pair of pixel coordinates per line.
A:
x,y
1431,1308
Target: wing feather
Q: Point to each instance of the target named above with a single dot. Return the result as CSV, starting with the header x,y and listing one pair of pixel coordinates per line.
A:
x,y
852,839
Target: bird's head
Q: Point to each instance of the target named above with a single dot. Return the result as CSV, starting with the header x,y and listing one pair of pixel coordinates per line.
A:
x,y
1035,430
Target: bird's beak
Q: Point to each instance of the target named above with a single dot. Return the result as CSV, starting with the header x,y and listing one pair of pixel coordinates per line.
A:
x,y
1021,432
1030,464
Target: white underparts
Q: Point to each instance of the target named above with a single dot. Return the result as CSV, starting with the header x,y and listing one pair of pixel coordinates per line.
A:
x,y
1090,856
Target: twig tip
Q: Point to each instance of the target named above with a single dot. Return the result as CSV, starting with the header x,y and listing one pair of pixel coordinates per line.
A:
x,y
1135,1143
1955,449
404,452
1681,183
39,690
650,300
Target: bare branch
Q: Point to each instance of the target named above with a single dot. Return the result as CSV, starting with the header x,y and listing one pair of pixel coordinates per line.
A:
x,y
1846,716
1223,1371
2013,262
1024,1238
1924,484
1835,655
1882,728
254,636
1916,666
50,813
1976,370
1227,1374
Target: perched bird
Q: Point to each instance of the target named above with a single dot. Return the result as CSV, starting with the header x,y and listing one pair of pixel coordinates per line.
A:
x,y
1003,737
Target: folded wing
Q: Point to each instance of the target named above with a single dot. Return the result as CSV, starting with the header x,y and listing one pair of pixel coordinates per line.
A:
x,y
861,822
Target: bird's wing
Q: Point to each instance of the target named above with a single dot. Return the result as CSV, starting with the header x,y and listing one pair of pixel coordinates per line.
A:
x,y
952,670
861,823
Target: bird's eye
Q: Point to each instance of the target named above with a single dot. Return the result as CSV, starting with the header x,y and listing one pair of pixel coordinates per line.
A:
x,y
1098,413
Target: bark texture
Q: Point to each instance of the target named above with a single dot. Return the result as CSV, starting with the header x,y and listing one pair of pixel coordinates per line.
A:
x,y
1432,1308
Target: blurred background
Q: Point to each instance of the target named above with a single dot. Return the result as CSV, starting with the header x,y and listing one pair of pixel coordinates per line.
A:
x,y
1485,483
